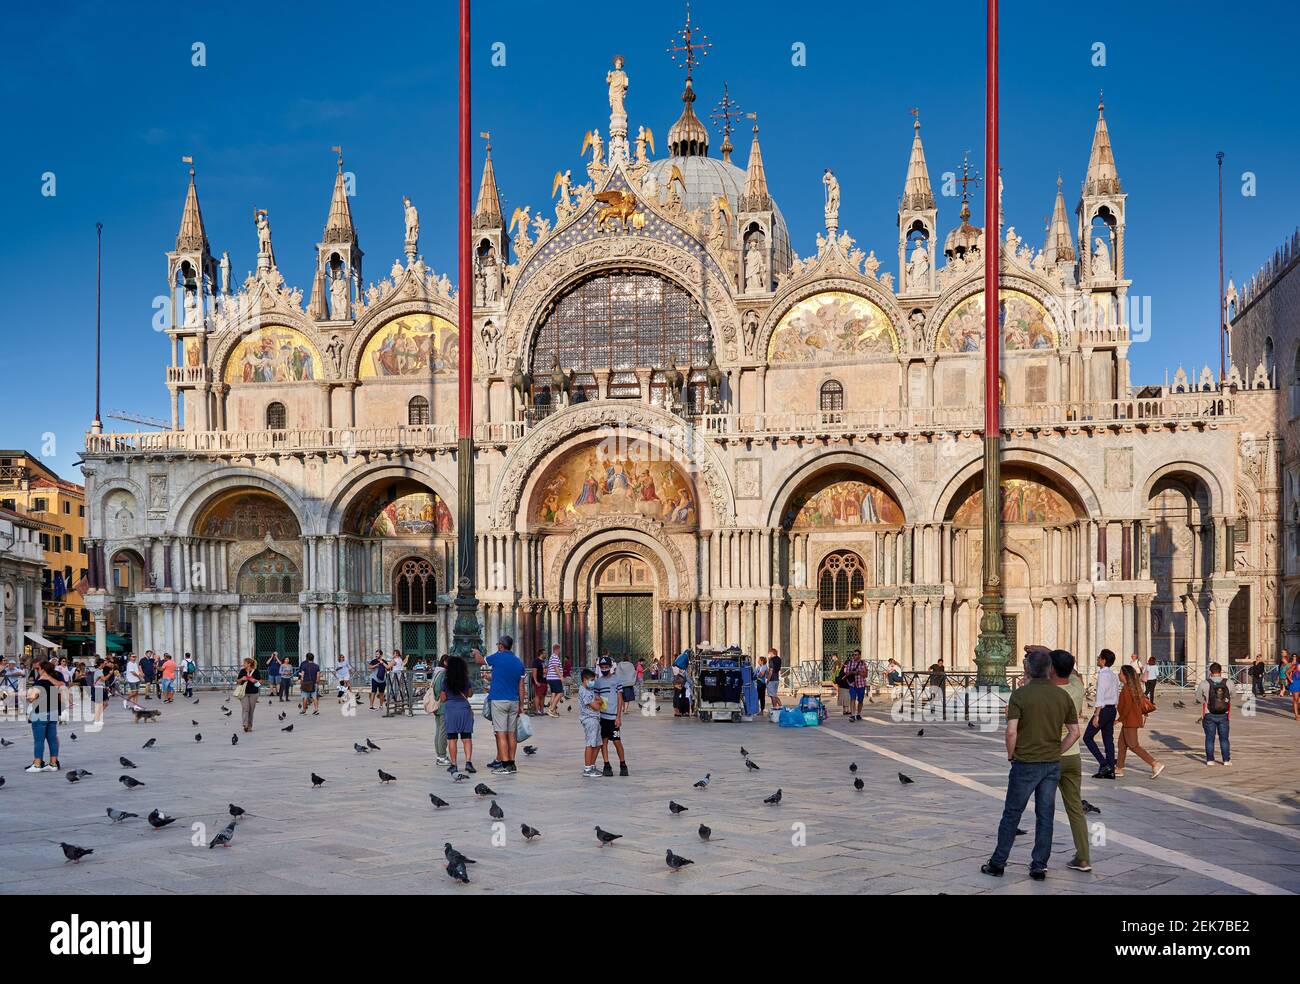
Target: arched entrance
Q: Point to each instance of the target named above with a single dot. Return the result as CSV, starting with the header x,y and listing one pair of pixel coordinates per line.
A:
x,y
127,578
623,588
1178,544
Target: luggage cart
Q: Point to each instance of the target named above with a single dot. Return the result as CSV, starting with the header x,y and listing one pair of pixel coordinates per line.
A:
x,y
723,685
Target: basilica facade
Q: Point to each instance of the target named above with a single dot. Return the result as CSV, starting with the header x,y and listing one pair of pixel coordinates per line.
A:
x,y
686,431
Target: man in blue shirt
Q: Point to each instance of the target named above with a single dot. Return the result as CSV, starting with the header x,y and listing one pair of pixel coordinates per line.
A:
x,y
505,698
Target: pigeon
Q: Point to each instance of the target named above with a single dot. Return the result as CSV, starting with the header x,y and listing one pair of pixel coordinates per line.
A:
x,y
384,776
451,854
225,712
198,737
675,861
194,701
905,780
605,837
283,715
117,816
460,777
1179,704
1089,808
921,733
751,765
371,744
360,749
482,790
529,832
234,738
126,763
2,782
72,735
971,725
703,783
237,811
744,752
224,838
150,743
858,784
774,799
316,781
495,812
530,749
438,803
74,853
853,767
705,832
5,743
456,869
76,775
288,729
158,820
676,808
193,723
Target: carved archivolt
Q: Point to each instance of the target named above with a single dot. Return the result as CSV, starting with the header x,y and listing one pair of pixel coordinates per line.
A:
x,y
652,529
670,261
685,441
602,553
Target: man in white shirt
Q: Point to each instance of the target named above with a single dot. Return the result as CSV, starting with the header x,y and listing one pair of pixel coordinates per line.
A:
x,y
554,680
1104,708
132,676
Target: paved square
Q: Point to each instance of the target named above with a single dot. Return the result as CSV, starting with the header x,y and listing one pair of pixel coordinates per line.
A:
x,y
1196,830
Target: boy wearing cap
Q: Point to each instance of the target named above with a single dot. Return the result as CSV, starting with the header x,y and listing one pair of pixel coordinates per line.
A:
x,y
589,706
611,714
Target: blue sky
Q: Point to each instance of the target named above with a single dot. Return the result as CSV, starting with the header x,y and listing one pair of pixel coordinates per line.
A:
x,y
104,96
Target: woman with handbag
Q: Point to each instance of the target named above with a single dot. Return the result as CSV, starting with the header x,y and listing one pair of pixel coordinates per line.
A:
x,y
246,690
1132,716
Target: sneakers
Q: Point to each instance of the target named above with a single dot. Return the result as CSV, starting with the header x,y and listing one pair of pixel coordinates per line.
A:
x,y
1077,865
495,764
1038,874
1104,774
1209,762
442,760
469,767
608,771
622,768
35,768
1227,761
53,767
991,869
1155,773
590,772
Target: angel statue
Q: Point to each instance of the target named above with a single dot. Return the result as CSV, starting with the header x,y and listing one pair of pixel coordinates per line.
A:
x,y
563,186
617,81
644,138
519,228
592,140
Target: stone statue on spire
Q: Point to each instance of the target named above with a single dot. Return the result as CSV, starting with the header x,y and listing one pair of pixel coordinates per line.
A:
x,y
832,201
616,79
265,254
412,217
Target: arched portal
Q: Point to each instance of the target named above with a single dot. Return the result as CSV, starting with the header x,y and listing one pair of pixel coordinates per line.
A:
x,y
1179,545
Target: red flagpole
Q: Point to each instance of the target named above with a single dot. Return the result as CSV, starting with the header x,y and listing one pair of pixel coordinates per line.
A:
x,y
992,244
466,349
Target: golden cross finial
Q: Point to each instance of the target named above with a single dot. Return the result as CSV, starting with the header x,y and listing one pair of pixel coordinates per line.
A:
x,y
966,178
727,110
692,51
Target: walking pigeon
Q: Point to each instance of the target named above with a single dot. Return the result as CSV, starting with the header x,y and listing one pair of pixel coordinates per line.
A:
x,y
371,744
5,743
676,808
150,743
495,812
198,737
774,799
853,766
316,781
675,861
921,733
76,775
605,837
74,853
482,790
456,869
384,776
224,838
530,749
529,832
237,811
905,780
117,816
125,762
703,783
288,729
129,782
705,832
234,738
438,803
744,752
858,784
751,765
1089,808
360,749
451,854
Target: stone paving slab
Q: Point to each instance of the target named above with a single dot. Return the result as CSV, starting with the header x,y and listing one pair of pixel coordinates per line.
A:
x,y
356,836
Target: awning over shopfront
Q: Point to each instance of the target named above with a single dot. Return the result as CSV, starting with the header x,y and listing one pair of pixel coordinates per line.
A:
x,y
118,643
37,639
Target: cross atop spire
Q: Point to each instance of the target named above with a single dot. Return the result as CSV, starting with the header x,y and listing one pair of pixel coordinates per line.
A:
x,y
338,224
722,115
689,52
192,236
688,136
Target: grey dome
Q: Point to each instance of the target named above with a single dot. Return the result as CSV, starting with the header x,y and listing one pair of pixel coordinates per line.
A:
x,y
708,177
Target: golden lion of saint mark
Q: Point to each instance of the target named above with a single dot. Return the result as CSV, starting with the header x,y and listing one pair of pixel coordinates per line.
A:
x,y
619,206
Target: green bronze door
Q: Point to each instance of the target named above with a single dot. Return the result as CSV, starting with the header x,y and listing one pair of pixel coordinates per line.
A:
x,y
279,637
840,636
625,627
420,643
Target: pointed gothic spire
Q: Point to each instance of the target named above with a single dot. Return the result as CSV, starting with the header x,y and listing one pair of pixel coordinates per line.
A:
x,y
917,194
487,215
192,237
756,197
1060,242
338,225
1102,177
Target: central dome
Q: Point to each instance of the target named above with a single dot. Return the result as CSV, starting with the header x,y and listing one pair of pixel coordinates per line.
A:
x,y
706,178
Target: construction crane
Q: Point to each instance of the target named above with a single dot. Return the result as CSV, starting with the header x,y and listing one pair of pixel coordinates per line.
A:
x,y
139,418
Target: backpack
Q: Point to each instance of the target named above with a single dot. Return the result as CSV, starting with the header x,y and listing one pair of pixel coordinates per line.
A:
x,y
1217,702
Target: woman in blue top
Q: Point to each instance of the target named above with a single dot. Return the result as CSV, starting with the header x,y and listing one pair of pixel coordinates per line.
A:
x,y
1293,685
455,693
44,703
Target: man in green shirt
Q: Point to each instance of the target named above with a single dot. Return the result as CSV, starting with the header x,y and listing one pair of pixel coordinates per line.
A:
x,y
1071,783
1036,714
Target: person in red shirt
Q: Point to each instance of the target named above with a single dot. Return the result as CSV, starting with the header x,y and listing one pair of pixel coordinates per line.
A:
x,y
167,678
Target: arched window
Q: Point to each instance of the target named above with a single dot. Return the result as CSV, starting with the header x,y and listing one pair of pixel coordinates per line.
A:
x,y
841,582
415,589
1269,365
417,412
622,319
275,416
831,396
